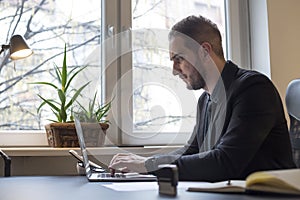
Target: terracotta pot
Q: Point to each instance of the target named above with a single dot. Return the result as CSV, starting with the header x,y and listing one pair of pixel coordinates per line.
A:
x,y
64,134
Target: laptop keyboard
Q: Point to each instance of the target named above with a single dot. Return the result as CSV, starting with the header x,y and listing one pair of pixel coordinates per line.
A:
x,y
108,175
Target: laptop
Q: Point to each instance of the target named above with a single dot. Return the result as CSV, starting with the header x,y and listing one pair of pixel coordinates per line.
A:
x,y
96,173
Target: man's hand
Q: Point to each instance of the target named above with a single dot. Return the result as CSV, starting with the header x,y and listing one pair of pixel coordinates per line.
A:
x,y
128,162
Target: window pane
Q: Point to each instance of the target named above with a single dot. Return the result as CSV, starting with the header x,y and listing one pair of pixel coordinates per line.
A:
x,y
161,102
47,26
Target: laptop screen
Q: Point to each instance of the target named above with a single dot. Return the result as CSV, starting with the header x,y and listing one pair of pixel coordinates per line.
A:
x,y
93,175
82,147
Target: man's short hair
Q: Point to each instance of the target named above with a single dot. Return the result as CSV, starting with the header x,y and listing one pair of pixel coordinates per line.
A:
x,y
201,30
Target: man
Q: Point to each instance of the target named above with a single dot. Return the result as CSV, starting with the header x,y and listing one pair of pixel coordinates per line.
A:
x,y
241,126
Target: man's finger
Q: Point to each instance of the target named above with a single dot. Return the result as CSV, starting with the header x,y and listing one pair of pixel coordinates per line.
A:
x,y
117,157
112,171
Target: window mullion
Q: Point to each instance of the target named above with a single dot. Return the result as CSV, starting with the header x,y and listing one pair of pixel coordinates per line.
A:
x,y
111,63
237,28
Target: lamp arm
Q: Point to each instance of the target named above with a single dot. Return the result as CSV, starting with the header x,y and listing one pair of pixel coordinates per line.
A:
x,y
4,47
7,163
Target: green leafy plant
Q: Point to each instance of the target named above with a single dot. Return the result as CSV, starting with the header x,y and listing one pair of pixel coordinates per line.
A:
x,y
94,112
61,106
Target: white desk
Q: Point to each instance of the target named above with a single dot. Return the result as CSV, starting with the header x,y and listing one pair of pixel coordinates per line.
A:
x,y
78,188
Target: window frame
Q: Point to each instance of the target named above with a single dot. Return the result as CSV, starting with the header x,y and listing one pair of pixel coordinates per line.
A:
x,y
238,49
116,18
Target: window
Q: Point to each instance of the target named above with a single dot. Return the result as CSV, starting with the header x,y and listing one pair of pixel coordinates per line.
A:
x,y
47,26
161,102
147,107
156,107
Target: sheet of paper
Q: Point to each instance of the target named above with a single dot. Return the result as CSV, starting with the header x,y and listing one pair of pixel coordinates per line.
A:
x,y
133,186
138,186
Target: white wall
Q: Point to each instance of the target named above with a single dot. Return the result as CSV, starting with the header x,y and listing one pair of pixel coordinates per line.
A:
x,y
275,32
284,33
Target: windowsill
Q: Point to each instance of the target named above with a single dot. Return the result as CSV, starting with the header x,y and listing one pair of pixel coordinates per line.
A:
x,y
38,139
50,151
35,144
58,161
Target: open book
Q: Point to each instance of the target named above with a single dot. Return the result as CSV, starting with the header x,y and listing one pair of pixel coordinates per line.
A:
x,y
275,181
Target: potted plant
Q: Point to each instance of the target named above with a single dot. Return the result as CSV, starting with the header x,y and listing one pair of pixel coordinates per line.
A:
x,y
61,132
92,117
95,112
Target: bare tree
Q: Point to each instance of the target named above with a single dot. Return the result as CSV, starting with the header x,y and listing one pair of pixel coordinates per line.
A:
x,y
47,30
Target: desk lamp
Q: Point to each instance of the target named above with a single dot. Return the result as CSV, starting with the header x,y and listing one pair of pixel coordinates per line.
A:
x,y
17,47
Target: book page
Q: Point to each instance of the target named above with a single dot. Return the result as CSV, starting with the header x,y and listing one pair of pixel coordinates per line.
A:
x,y
281,181
235,186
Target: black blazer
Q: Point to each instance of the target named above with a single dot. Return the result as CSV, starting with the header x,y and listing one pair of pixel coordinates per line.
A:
x,y
250,127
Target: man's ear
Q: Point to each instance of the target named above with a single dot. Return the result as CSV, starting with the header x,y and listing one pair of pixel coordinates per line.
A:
x,y
204,49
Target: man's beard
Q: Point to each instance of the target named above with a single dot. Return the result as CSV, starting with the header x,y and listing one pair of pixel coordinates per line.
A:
x,y
197,81
196,84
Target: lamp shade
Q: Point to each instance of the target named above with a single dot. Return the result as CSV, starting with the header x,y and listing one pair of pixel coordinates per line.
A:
x,y
19,48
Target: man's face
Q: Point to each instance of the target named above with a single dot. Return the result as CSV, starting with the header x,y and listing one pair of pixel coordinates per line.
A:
x,y
186,63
